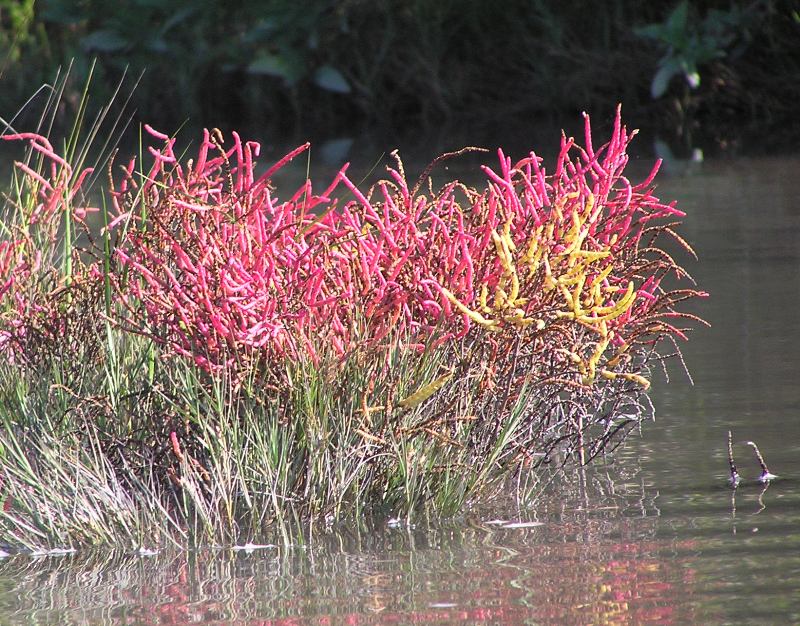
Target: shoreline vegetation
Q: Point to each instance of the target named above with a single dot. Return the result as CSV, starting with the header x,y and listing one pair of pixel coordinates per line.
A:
x,y
697,74
195,357
718,76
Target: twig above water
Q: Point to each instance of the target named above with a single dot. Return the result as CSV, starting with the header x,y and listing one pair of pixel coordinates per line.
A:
x,y
766,475
734,478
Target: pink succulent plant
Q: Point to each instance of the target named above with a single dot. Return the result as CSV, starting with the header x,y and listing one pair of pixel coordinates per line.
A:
x,y
226,272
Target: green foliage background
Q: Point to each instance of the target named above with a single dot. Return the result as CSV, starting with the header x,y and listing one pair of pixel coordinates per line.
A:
x,y
285,66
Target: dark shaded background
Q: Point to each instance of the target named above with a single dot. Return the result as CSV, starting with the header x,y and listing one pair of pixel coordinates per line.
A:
x,y
723,76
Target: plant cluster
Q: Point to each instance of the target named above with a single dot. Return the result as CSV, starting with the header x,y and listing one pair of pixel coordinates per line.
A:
x,y
223,357
229,270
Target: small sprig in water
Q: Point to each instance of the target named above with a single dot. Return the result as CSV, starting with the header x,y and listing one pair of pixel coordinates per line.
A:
x,y
766,475
735,478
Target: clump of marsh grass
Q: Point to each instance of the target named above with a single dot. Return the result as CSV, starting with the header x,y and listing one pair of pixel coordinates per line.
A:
x,y
224,361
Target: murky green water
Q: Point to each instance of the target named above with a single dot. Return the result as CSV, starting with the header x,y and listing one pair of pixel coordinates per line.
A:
x,y
658,537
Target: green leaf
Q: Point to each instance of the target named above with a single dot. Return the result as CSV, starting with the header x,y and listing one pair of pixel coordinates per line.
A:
x,y
104,40
276,65
331,79
676,22
263,31
650,31
157,45
177,18
334,151
666,72
61,13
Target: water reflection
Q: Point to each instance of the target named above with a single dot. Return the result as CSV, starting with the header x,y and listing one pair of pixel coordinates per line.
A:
x,y
598,564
